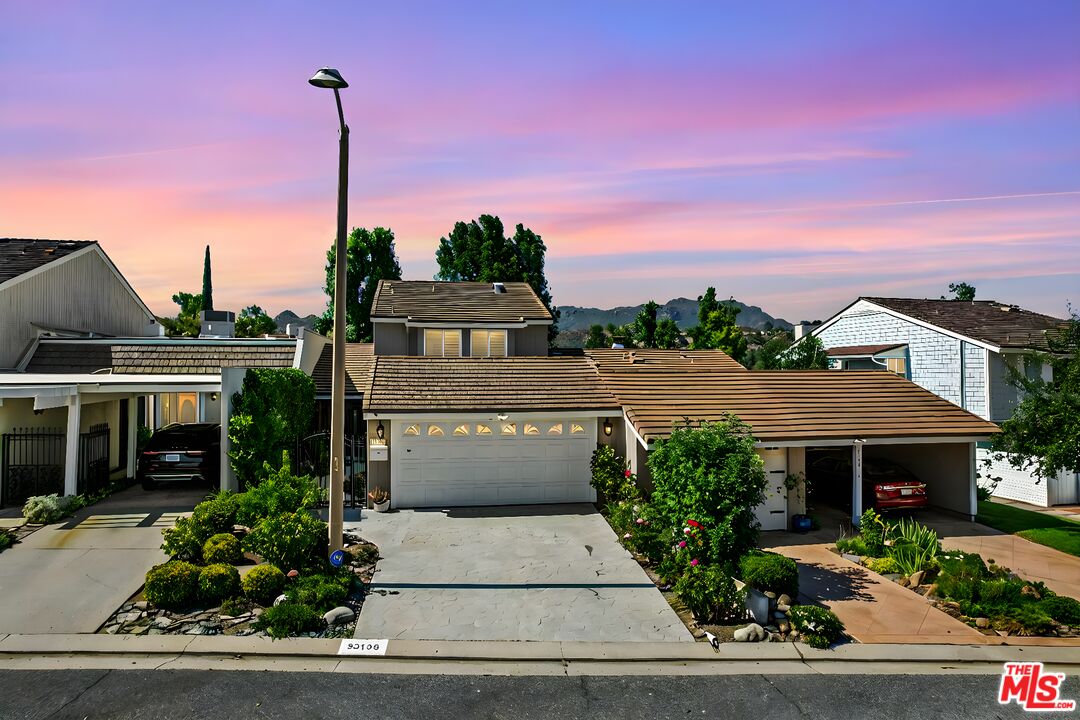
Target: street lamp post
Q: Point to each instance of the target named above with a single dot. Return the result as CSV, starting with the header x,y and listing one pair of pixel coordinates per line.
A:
x,y
331,78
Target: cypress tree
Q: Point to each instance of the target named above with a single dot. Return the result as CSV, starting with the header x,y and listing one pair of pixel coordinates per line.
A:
x,y
207,284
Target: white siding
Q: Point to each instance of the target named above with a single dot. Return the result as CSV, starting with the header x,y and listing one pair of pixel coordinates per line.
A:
x,y
79,293
975,379
1012,484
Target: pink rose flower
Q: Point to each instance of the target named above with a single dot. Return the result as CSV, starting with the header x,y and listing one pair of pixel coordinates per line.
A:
x,y
626,536
640,521
682,543
628,473
694,561
686,531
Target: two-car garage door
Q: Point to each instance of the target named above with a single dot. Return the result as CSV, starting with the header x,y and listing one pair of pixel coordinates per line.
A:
x,y
456,463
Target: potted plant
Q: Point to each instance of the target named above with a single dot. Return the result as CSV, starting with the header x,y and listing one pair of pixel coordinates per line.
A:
x,y
380,499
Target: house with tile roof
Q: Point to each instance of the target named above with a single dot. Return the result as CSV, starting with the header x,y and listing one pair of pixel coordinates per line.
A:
x,y
962,351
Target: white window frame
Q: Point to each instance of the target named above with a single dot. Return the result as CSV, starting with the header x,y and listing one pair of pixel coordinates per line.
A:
x,y
442,334
487,345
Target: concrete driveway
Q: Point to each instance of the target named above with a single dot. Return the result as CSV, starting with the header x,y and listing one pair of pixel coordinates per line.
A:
x,y
520,573
69,577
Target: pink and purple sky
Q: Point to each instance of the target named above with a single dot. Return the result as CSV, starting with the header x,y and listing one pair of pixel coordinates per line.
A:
x,y
794,155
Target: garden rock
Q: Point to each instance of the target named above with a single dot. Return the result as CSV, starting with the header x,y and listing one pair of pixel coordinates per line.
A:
x,y
852,558
784,599
751,633
916,579
339,616
982,623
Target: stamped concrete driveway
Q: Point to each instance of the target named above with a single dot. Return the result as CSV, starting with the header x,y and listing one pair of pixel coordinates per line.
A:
x,y
519,573
69,577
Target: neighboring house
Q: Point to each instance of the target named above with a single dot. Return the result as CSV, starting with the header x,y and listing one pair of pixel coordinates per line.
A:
x,y
455,418
961,351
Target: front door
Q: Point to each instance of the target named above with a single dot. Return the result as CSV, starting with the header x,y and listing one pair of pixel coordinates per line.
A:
x,y
772,514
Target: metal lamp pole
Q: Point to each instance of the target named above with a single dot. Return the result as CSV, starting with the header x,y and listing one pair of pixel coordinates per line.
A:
x,y
331,78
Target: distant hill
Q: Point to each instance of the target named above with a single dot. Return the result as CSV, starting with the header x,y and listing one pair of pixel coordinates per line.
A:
x,y
288,317
574,321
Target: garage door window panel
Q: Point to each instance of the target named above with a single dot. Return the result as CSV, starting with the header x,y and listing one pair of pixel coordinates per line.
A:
x,y
531,429
435,431
509,429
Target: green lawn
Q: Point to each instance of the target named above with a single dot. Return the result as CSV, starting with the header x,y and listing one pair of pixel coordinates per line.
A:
x,y
1058,533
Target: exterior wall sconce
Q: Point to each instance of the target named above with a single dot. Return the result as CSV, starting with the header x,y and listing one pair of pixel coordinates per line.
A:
x,y
607,427
380,431
213,397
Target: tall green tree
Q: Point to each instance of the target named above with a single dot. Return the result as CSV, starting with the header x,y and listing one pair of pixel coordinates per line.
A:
x,y
207,283
186,323
254,322
961,291
667,334
596,337
645,325
1043,434
806,354
370,257
479,250
716,328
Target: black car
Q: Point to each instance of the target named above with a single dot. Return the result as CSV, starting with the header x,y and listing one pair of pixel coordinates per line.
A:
x,y
190,451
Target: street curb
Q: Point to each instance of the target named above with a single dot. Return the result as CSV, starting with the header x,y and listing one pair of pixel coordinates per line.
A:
x,y
508,651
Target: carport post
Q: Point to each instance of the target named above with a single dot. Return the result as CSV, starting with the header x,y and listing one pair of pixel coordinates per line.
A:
x,y
856,481
71,449
132,434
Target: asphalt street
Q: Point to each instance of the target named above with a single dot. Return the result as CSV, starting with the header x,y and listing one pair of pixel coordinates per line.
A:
x,y
161,694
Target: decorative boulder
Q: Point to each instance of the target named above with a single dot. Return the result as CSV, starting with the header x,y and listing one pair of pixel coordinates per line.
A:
x,y
339,616
751,633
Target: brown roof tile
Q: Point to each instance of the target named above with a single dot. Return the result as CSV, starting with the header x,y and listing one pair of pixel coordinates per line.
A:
x,y
359,362
425,384
644,360
986,320
466,302
192,357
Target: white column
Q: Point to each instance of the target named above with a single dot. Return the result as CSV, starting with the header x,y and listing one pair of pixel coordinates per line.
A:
x,y
973,484
856,482
132,434
71,456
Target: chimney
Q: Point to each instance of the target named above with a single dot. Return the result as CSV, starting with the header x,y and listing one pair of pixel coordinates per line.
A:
x,y
499,288
801,329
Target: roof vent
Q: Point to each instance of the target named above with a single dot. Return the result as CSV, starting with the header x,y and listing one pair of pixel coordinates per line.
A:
x,y
499,288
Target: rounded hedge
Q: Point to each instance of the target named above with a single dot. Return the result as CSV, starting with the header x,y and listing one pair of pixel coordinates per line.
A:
x,y
222,548
769,571
218,582
173,585
1065,610
263,583
817,626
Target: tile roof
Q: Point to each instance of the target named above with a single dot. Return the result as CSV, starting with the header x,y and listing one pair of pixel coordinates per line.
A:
x,y
644,360
466,302
359,362
985,320
18,256
812,405
165,357
859,350
426,384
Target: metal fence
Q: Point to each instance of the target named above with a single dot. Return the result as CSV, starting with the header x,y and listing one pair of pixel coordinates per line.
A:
x,y
93,459
32,463
312,457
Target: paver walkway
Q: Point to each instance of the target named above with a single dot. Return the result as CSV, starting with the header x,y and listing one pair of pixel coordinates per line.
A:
x,y
517,573
69,577
873,609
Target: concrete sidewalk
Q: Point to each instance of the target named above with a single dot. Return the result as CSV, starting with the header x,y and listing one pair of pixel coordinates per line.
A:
x,y
71,576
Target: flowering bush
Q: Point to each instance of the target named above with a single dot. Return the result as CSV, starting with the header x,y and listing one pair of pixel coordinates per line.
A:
x,y
638,531
611,476
709,592
45,509
818,627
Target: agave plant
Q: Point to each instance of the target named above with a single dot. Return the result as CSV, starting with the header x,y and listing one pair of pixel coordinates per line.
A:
x,y
914,546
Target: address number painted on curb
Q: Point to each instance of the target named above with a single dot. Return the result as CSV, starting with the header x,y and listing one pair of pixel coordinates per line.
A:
x,y
363,647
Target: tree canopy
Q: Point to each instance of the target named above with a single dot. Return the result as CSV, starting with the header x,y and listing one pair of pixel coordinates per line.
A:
x,y
479,250
596,337
207,283
667,334
645,325
1043,434
716,328
254,322
370,257
186,323
961,291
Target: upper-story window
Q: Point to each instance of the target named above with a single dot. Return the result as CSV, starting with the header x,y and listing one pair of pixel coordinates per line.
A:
x,y
442,343
488,343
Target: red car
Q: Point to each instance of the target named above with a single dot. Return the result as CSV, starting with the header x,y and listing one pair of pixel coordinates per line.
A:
x,y
886,485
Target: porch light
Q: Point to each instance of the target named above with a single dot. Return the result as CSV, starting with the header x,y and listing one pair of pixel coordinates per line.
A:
x,y
213,397
380,431
607,427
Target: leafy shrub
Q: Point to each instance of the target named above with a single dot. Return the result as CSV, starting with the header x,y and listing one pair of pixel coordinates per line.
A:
x,y
1000,595
217,514
818,627
321,591
218,582
6,539
1027,620
710,593
915,547
852,546
713,475
45,509
290,541
883,566
234,606
211,517
872,532
274,406
280,492
173,585
183,540
960,575
287,619
263,583
769,571
611,476
1065,610
648,535
222,548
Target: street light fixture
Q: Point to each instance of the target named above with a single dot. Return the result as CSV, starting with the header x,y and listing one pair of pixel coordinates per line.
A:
x,y
330,78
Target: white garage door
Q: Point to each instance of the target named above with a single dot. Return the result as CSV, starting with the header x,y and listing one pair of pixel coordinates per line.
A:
x,y
456,463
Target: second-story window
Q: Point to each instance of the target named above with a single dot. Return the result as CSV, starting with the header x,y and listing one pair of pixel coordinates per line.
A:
x,y
488,343
442,343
